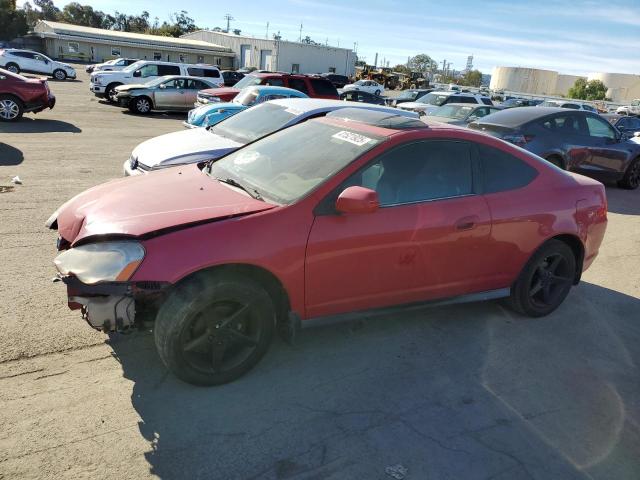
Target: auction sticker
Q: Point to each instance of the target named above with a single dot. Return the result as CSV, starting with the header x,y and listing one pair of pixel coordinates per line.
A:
x,y
351,137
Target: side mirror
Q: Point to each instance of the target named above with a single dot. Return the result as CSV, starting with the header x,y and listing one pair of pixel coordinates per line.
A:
x,y
137,73
472,118
162,86
357,200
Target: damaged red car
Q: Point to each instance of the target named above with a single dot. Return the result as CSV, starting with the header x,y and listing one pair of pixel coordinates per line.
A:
x,y
356,212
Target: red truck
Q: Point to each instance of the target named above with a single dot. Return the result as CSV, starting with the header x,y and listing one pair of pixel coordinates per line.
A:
x,y
19,94
315,87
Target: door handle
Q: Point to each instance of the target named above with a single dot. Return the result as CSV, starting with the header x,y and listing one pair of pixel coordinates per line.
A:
x,y
466,223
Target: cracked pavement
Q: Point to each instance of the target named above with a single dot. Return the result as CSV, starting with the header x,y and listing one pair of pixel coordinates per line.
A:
x,y
471,392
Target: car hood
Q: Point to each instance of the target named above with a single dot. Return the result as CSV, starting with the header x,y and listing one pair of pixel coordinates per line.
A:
x,y
196,116
151,204
221,91
188,146
417,106
133,86
450,121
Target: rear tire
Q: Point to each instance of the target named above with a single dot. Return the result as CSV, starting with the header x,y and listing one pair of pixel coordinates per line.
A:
x,y
545,281
631,179
110,93
11,108
377,92
214,328
141,105
556,160
13,67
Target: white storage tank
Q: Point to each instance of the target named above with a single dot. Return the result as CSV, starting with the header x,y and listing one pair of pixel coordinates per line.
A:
x,y
524,80
621,87
565,82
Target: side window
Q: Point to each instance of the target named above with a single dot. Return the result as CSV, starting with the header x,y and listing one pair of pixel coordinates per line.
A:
x,y
564,125
211,73
418,172
195,72
481,112
634,124
600,128
502,171
168,70
171,85
196,85
571,105
274,82
323,87
486,101
298,84
149,71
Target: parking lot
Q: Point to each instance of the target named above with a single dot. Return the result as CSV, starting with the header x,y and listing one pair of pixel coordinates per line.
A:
x,y
463,392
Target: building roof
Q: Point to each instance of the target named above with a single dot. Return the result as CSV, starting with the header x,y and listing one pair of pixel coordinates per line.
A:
x,y
66,31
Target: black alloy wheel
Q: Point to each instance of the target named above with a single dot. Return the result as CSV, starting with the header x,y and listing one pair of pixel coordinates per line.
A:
x,y
631,179
550,281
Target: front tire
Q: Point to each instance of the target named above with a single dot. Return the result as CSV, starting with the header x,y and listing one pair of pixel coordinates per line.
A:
x,y
214,328
11,108
140,105
110,92
377,92
13,68
59,75
631,179
545,281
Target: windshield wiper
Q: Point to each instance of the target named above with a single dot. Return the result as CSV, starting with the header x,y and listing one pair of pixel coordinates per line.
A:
x,y
234,183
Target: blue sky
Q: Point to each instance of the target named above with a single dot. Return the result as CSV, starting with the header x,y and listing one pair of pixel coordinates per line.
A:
x,y
578,37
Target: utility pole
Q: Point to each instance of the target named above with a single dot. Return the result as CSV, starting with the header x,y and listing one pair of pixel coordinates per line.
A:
x,y
300,32
228,18
375,62
267,36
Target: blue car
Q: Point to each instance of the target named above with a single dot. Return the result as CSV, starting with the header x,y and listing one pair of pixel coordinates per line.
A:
x,y
210,114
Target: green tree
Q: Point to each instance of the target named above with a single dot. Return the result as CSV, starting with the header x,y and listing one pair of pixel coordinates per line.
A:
x,y
591,90
472,78
48,10
13,22
422,63
401,69
82,15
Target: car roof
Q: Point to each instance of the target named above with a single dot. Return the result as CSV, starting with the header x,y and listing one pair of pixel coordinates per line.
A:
x,y
383,119
512,117
318,105
187,77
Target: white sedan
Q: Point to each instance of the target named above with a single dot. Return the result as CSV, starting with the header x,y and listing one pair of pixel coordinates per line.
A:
x,y
368,86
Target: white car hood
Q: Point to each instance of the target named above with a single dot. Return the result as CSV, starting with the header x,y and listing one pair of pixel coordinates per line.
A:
x,y
417,106
179,148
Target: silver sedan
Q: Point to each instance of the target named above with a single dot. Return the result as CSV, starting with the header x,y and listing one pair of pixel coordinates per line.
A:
x,y
168,93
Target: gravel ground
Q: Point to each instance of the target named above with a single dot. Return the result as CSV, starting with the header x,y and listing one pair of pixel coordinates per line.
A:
x,y
465,392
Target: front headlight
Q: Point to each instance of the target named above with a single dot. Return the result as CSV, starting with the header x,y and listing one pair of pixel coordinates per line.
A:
x,y
101,262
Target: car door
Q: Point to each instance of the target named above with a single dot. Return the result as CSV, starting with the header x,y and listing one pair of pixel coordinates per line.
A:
x,y
170,95
26,61
42,64
607,156
191,92
427,240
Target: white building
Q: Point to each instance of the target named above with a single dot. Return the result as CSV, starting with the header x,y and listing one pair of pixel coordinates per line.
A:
x,y
75,42
281,55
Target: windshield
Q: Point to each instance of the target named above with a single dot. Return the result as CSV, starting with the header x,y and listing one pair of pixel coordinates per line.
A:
x,y
255,122
248,81
359,82
155,82
247,97
549,103
433,99
132,67
408,95
459,112
291,163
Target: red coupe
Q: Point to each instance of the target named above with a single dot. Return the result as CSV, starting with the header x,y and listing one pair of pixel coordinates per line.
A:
x,y
354,212
19,94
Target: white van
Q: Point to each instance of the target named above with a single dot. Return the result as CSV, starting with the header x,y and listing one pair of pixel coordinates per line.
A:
x,y
102,84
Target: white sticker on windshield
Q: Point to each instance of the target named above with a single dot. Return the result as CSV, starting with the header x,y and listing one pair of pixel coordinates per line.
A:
x,y
351,137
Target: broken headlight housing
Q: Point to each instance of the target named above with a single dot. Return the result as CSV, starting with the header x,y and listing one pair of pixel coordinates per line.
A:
x,y
101,262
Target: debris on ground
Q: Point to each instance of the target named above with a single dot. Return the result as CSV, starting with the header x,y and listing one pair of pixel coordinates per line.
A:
x,y
6,188
396,471
16,180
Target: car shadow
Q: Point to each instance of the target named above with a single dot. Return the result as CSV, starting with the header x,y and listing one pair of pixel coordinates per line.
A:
x,y
10,156
159,115
469,391
40,125
626,202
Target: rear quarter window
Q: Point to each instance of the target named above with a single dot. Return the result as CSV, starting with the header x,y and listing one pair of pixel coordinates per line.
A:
x,y
298,84
502,171
168,70
203,72
323,87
